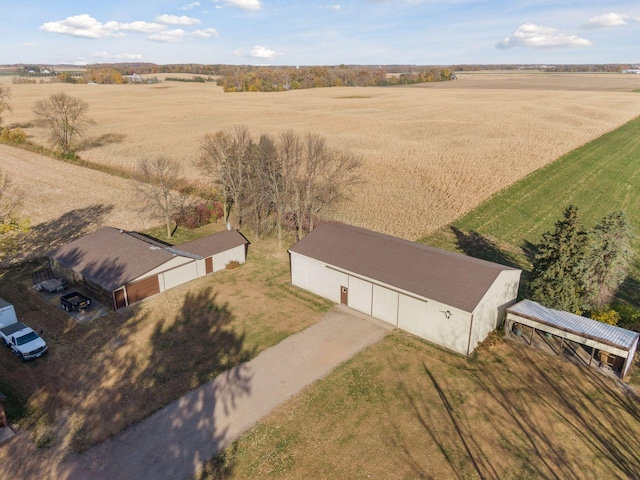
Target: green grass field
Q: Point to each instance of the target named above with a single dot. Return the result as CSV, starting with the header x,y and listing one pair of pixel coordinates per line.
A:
x,y
599,177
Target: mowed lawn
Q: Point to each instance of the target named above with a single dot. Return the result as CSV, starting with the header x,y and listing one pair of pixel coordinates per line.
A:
x,y
407,409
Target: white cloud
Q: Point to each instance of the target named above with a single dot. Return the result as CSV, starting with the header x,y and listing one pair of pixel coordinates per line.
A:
x,y
333,7
538,37
176,20
168,36
243,4
260,51
190,6
141,27
103,55
128,56
81,26
606,20
206,33
117,56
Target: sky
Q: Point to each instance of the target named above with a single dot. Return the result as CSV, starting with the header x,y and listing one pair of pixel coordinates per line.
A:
x,y
316,32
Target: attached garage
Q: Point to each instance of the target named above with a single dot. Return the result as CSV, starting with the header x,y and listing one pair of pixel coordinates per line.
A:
x,y
120,268
444,297
586,341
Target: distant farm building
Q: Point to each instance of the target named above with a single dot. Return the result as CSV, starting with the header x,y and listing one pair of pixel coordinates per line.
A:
x,y
120,268
587,341
447,298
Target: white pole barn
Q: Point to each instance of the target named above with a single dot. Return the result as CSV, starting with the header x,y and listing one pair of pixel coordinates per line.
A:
x,y
447,298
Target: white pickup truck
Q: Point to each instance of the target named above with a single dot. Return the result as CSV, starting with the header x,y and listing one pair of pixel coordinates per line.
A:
x,y
22,340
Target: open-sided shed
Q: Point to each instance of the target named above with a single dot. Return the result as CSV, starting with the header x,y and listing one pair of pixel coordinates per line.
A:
x,y
445,297
120,268
609,345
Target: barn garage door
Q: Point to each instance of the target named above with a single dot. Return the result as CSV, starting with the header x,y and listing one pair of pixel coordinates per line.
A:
x,y
136,291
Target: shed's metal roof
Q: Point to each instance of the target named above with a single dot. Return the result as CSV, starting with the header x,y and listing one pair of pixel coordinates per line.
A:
x,y
213,244
446,277
111,257
570,322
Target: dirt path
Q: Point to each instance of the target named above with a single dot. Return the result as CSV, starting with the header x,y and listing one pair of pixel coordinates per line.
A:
x,y
175,442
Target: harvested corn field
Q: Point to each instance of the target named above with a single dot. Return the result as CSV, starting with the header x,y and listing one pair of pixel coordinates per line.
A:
x,y
431,152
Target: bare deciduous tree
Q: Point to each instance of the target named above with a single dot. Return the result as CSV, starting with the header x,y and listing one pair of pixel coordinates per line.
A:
x,y
224,157
10,225
65,117
320,177
160,180
265,181
5,93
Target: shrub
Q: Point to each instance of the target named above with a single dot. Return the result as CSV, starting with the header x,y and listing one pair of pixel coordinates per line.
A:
x,y
13,135
232,265
290,222
198,215
629,316
610,317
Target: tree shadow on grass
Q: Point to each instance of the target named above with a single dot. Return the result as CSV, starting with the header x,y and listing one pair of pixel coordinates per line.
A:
x,y
124,368
183,353
552,421
629,291
479,246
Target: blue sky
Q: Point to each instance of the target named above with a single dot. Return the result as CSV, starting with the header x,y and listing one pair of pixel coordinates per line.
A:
x,y
316,32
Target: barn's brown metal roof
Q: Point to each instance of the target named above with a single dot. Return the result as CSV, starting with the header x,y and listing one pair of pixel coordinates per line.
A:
x,y
446,277
213,244
111,257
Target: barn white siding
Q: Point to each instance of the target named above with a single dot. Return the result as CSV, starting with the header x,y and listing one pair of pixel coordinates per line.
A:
x,y
492,310
221,260
428,320
201,268
174,262
385,304
360,295
444,297
316,277
178,276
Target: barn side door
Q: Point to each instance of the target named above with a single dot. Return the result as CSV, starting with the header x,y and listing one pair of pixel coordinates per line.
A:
x,y
119,298
344,295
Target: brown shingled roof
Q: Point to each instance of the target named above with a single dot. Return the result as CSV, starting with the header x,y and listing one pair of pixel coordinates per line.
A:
x,y
111,257
213,244
446,277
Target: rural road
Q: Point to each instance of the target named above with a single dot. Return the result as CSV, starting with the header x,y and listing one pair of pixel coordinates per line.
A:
x,y
177,440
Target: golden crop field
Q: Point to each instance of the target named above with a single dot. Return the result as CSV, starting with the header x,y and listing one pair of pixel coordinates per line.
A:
x,y
431,152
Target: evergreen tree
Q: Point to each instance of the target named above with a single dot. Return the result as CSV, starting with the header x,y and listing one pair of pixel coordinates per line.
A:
x,y
559,268
575,270
609,257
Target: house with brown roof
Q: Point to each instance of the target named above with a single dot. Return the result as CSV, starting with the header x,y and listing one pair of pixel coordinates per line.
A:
x,y
119,268
450,299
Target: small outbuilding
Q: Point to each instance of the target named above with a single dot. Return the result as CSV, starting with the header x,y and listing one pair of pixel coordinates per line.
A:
x,y
590,342
447,298
119,268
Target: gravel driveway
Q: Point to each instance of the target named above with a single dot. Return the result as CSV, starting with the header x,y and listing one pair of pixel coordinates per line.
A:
x,y
175,442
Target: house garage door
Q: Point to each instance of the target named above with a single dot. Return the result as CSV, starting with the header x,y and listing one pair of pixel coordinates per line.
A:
x,y
136,291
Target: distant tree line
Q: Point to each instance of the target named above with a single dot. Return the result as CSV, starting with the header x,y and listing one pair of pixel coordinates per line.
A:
x,y
596,68
270,79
